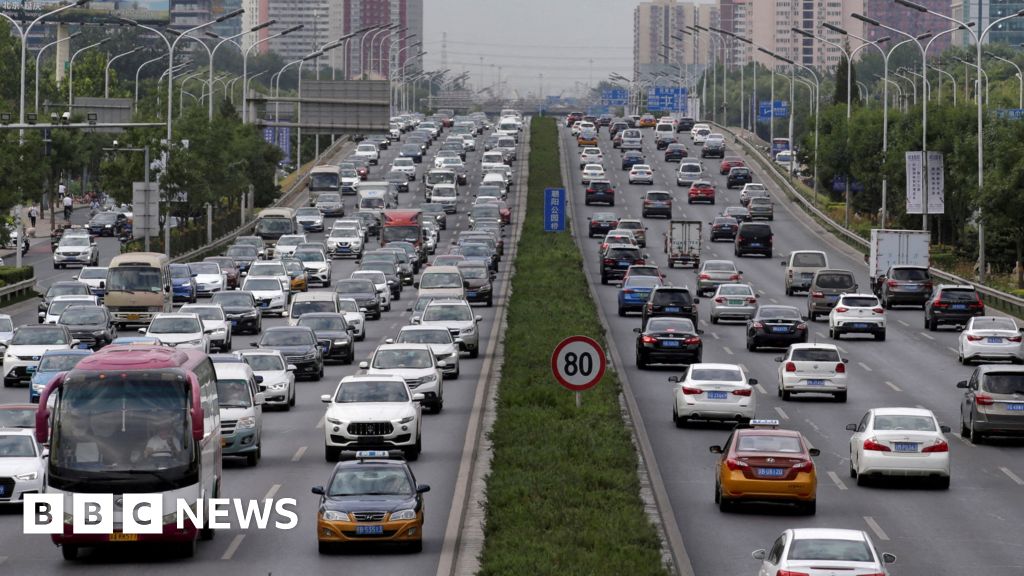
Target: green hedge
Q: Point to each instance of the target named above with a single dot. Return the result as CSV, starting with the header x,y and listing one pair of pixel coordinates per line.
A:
x,y
12,274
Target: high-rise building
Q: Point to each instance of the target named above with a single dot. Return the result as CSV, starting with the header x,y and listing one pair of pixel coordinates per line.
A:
x,y
371,56
231,26
188,13
657,27
910,21
312,14
983,13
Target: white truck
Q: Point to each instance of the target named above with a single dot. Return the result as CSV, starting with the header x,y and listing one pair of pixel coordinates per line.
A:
x,y
896,248
683,243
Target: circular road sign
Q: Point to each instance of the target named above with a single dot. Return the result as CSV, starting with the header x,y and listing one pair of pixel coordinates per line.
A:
x,y
578,363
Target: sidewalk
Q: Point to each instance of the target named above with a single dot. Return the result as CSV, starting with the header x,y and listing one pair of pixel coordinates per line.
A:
x,y
42,230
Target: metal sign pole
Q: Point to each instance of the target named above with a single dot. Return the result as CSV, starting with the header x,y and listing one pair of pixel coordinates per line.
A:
x,y
579,399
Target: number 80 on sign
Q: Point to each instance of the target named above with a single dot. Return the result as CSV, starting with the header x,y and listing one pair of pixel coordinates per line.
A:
x,y
578,363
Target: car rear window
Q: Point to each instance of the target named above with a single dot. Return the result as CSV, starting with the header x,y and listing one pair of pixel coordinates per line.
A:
x,y
600,186
815,355
1003,382
671,297
834,280
716,375
734,291
724,221
911,422
909,274
958,295
822,549
659,196
860,301
689,168
624,253
809,260
719,266
766,443
755,231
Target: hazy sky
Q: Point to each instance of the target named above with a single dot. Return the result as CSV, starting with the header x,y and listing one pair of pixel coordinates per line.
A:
x,y
556,38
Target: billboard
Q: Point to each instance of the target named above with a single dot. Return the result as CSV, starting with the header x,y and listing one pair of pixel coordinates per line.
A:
x,y
667,99
144,11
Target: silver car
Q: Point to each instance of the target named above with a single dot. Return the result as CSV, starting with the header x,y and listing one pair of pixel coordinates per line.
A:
x,y
760,207
714,273
732,302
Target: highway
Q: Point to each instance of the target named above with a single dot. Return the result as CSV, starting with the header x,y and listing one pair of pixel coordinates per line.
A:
x,y
293,454
972,528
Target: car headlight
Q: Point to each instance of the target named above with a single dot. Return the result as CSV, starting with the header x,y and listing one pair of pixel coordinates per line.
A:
x,y
38,386
191,342
407,419
404,515
98,332
278,386
334,516
428,379
245,423
250,314
469,330
108,226
26,476
341,342
334,420
220,331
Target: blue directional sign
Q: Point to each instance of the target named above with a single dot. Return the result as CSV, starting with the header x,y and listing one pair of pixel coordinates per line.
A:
x,y
764,111
554,209
614,97
284,142
1010,113
667,99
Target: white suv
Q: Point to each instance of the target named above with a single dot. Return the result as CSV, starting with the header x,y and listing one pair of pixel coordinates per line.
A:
x,y
414,363
457,316
367,412
857,313
369,152
78,250
812,368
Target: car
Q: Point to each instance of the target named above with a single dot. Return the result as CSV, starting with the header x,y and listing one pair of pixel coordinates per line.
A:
x,y
299,346
641,174
355,316
664,138
310,219
372,411
633,293
209,278
800,267
636,227
684,124
647,121
395,264
369,152
826,286
271,297
713,392
631,158
350,178
346,241
286,245
278,379
990,338
952,304
91,325
380,282
76,251
411,151
592,172
675,152
733,301
668,340
753,238
738,176
716,272
51,364
416,365
457,316
183,284
812,368
591,155
298,279
230,269
763,463
95,277
435,211
108,223
670,301
446,195
729,163
657,203
587,137
774,325
617,258
61,303
616,236
904,442
405,166
752,190
241,310
737,213
479,279
178,330
22,464
215,324
599,191
440,341
701,191
857,313
713,147
399,181
800,550
380,480
644,270
333,334
700,137
62,288
991,403
18,416
364,292
760,208
254,241
572,118
330,204
243,256
903,284
317,265
723,227
688,173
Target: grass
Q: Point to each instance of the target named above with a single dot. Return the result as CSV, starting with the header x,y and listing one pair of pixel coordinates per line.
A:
x,y
563,493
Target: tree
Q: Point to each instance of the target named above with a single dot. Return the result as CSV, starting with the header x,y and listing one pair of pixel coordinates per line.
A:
x,y
1001,197
840,94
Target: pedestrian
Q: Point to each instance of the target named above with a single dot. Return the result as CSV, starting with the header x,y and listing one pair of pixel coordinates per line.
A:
x,y
67,208
62,190
33,213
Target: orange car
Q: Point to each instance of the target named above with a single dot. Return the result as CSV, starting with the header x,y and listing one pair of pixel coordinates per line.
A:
x,y
647,121
761,463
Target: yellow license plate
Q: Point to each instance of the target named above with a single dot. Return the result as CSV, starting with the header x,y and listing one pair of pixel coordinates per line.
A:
x,y
133,316
223,442
122,537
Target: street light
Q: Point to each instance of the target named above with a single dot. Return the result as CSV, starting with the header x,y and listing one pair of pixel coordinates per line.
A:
x,y
391,47
245,65
138,70
39,57
951,79
106,69
373,40
71,70
1020,97
213,54
981,73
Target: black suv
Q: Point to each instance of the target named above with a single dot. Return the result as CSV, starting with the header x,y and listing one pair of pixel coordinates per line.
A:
x,y
601,223
299,347
685,125
617,259
675,301
753,238
713,148
952,304
631,158
738,176
675,152
240,310
90,325
904,285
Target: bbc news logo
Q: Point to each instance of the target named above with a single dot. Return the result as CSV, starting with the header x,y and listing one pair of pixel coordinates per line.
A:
x,y
145,514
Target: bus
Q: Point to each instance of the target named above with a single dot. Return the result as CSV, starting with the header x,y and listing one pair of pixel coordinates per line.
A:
x,y
272,223
403,226
134,420
138,286
779,145
323,178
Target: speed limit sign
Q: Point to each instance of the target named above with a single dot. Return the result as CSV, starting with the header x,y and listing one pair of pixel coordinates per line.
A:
x,y
578,363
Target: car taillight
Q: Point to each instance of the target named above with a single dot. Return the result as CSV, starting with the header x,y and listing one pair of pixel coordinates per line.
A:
x,y
758,325
734,277
817,295
691,391
594,224
719,299
892,283
938,446
983,400
872,445
734,464
805,466
639,262
751,300
877,310
842,309
609,262
979,303
801,326
741,392
628,291
1014,338
704,277
939,304
976,338
647,202
790,367
840,368
692,340
792,573
648,339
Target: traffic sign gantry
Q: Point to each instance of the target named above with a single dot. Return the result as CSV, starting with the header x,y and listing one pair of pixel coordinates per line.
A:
x,y
578,363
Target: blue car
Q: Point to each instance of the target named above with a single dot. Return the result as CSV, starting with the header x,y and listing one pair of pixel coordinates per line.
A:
x,y
183,285
634,293
52,363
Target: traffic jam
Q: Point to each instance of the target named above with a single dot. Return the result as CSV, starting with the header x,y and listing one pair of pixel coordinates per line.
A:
x,y
799,384
367,310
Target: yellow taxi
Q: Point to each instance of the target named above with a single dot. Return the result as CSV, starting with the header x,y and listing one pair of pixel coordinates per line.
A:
x,y
297,273
647,121
761,463
587,138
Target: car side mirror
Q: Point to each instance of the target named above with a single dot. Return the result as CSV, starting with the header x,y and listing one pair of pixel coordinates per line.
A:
x,y
758,554
962,384
782,263
142,330
291,368
673,378
416,284
260,399
42,315
814,452
636,330
945,429
478,318
421,488
845,360
364,365
780,358
254,344
851,427
319,490
259,379
716,449
325,398
418,397
888,558
389,341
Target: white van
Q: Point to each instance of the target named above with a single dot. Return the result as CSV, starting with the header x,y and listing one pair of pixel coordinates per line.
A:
x,y
446,195
508,126
441,282
375,201
306,302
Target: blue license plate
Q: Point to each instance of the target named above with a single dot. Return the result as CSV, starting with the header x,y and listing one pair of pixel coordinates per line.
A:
x,y
3,490
779,329
1015,407
906,446
372,530
325,347
624,263
671,343
470,294
717,395
264,305
860,325
911,286
755,244
672,309
994,340
774,472
30,369
959,306
815,382
832,298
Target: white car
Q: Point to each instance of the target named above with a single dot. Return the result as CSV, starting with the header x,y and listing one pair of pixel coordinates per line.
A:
x,y
28,345
354,315
349,183
575,129
688,173
310,219
457,316
94,277
416,365
591,155
345,241
752,190
178,330
215,324
697,128
372,412
380,282
439,339
641,174
858,314
990,338
60,303
812,368
318,267
497,180
592,172
76,250
209,278
22,464
270,297
273,268
899,442
278,383
713,392
405,166
447,196
368,151
701,137
806,550
286,244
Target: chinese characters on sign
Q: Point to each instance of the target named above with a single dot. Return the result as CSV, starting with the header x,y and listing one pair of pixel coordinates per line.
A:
x,y
554,209
936,184
915,182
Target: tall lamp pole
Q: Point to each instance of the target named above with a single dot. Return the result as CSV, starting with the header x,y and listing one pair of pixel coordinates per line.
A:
x,y
39,58
71,70
106,69
213,54
245,66
1020,96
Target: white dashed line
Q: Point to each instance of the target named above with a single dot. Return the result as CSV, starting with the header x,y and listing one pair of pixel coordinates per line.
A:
x,y
272,492
773,300
865,367
904,323
953,350
727,350
927,335
715,336
919,406
299,453
893,386
782,413
1012,476
837,480
822,335
761,389
233,547
963,440
319,424
876,528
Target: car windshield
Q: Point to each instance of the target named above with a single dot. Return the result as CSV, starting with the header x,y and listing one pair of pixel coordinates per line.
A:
x,y
133,279
372,391
441,280
263,362
205,312
59,362
165,325
233,393
328,199
93,274
822,549
204,268
760,202
724,221
659,196
267,269
424,337
476,250
716,375
263,284
308,306
273,338
17,446
860,301
242,252
348,305
290,241
325,323
834,281
815,355
410,358
682,325
809,260
1004,382
83,315
691,168
768,443
18,417
474,272
75,241
373,480
778,312
105,218
59,306
647,282
454,313
229,299
180,271
309,256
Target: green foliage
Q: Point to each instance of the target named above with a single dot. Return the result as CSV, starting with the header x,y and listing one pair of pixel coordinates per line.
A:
x,y
12,274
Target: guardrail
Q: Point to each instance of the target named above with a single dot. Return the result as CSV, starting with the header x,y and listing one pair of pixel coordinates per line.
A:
x,y
12,291
1002,300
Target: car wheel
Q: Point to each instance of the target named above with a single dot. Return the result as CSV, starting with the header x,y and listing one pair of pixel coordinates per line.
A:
x,y
475,352
786,394
69,552
621,311
853,471
809,508
252,458
332,454
813,316
973,435
641,363
840,396
880,336
862,480
679,420
933,325
320,374
413,453
291,400
724,504
751,345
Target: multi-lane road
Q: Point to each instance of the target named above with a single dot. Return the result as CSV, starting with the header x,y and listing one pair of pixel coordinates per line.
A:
x,y
293,455
971,528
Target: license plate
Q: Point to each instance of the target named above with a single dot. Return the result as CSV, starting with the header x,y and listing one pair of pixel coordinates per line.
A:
x,y
470,294
1015,407
624,263
807,275
994,340
325,348
735,302
3,491
959,306
122,537
264,305
815,382
776,472
133,316
906,446
672,309
832,298
717,395
860,325
30,369
778,329
911,286
755,244
670,343
372,530
234,323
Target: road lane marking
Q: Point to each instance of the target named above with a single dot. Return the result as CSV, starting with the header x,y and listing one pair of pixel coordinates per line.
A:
x,y
761,389
837,480
773,300
727,350
865,367
782,413
904,323
1012,476
299,453
822,335
319,424
953,350
927,335
876,528
965,441
272,492
715,336
893,386
233,547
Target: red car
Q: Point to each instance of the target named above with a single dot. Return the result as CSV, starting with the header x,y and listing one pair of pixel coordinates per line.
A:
x,y
701,191
572,118
730,163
